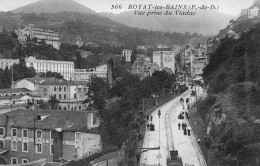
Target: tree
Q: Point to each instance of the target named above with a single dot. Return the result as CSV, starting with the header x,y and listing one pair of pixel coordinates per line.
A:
x,y
53,102
133,57
43,104
51,74
98,92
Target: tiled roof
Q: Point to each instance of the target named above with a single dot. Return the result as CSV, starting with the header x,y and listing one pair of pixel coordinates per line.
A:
x,y
52,164
65,120
36,79
14,90
52,81
105,157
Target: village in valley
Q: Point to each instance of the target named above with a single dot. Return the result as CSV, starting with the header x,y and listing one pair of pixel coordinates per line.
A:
x,y
75,92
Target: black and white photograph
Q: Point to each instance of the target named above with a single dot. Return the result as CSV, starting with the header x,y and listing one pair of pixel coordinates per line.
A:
x,y
130,82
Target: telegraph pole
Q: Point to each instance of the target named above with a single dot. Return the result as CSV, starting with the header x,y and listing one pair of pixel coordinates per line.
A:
x,y
159,115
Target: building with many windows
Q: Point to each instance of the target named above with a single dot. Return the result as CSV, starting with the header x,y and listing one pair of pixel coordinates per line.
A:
x,y
86,74
7,63
49,36
127,53
54,135
71,94
164,59
65,68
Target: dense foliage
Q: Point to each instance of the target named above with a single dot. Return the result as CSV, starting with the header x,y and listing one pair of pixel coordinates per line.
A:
x,y
233,79
119,106
94,28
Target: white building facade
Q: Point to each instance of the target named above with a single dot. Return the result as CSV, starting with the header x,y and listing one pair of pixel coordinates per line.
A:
x,y
49,36
65,68
253,12
86,74
127,53
164,59
7,63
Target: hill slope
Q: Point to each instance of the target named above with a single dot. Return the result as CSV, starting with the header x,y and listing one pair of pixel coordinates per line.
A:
x,y
53,6
94,28
233,77
204,22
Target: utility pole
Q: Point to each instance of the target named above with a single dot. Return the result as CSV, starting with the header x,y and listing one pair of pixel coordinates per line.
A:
x,y
159,115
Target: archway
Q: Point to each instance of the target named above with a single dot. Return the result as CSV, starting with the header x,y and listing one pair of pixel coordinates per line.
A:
x,y
2,160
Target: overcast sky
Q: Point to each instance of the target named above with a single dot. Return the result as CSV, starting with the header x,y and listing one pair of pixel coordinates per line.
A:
x,y
231,7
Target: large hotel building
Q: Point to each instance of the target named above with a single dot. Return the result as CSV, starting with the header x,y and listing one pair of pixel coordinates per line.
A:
x,y
49,36
65,68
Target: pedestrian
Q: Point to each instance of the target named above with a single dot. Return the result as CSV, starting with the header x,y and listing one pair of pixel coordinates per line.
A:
x,y
187,116
151,127
179,125
185,126
185,132
151,118
188,129
181,100
148,126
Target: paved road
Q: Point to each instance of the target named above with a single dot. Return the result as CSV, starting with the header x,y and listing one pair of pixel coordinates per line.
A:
x,y
170,137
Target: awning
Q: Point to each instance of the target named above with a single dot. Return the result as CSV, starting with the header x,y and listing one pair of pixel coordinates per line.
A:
x,y
2,151
198,79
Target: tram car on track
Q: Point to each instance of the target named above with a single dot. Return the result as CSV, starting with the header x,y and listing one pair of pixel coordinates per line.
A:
x,y
175,160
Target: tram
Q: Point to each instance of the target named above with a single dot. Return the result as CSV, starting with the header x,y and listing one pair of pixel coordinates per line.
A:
x,y
175,159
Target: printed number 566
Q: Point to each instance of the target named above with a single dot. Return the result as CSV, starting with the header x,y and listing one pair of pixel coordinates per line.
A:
x,y
117,6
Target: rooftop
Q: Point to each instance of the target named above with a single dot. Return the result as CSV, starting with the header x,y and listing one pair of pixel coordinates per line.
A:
x,y
105,157
52,81
63,120
14,90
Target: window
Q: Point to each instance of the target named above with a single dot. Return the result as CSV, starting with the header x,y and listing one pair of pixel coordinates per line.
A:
x,y
65,89
60,88
55,139
14,145
2,131
1,144
51,148
14,160
77,137
78,151
51,134
59,96
24,161
38,134
65,96
25,147
14,134
55,88
25,133
75,95
38,148
80,107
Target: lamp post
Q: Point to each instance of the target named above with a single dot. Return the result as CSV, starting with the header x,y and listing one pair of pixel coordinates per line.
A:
x,y
195,130
159,115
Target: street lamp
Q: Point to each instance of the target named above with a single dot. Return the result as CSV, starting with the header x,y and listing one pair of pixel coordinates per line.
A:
x,y
159,115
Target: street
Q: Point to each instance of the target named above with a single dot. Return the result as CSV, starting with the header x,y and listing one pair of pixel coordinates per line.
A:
x,y
171,137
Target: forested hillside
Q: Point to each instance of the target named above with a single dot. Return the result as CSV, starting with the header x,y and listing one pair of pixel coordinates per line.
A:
x,y
232,107
94,28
